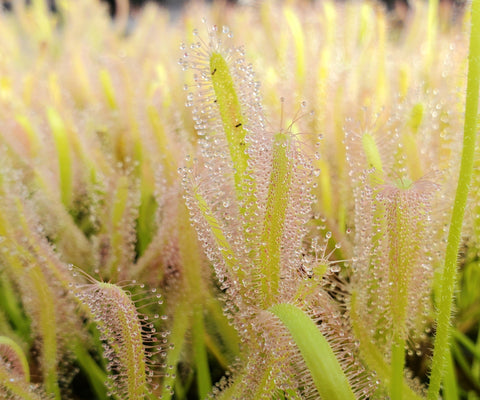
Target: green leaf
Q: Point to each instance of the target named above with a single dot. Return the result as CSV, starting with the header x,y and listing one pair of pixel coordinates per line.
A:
x,y
327,374
449,273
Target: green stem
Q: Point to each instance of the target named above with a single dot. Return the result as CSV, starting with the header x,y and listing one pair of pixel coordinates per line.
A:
x,y
181,324
189,254
464,366
228,334
10,305
398,362
467,343
95,375
450,388
204,380
449,275
476,361
401,258
48,328
371,354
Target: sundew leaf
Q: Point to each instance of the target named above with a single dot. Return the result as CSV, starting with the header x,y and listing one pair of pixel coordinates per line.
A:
x,y
108,90
299,41
231,115
326,372
48,328
373,155
41,310
118,320
276,208
122,216
62,145
223,244
17,388
11,352
406,221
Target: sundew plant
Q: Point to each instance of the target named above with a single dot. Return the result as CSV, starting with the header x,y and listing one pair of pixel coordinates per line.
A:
x,y
276,200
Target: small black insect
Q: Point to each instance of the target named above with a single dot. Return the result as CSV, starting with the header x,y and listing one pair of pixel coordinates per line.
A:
x,y
238,125
213,72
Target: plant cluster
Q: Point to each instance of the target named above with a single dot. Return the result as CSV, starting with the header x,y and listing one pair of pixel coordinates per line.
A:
x,y
170,228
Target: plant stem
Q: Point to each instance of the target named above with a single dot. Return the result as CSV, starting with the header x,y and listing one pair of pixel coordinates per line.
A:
x,y
181,324
371,354
398,362
448,279
204,380
95,375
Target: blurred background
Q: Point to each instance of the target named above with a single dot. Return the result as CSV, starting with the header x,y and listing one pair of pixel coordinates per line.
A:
x,y
397,7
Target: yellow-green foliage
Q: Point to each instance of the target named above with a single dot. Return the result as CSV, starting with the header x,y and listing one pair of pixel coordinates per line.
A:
x,y
145,149
121,329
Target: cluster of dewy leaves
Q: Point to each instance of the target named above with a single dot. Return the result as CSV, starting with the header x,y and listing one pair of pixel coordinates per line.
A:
x,y
43,313
249,196
93,148
93,123
356,43
15,372
416,118
399,244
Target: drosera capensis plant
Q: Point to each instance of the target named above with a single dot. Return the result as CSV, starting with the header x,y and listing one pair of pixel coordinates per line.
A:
x,y
256,218
296,239
130,338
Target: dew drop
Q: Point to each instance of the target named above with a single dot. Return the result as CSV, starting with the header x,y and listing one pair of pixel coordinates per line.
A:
x,y
335,268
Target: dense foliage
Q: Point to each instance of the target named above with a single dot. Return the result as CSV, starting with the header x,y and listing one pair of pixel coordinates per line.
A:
x,y
170,228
